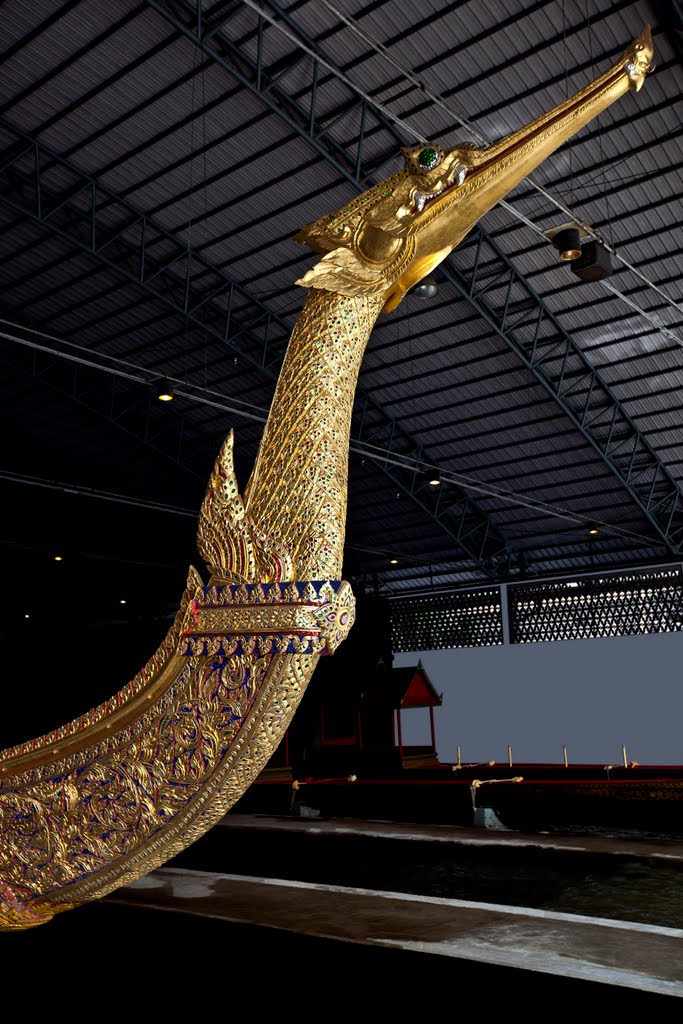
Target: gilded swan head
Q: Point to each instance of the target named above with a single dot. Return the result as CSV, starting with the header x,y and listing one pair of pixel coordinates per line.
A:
x,y
385,240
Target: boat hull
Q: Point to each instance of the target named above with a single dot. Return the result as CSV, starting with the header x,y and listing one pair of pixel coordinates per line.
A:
x,y
546,797
650,805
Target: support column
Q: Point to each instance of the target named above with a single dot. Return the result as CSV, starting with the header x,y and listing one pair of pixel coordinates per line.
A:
x,y
505,612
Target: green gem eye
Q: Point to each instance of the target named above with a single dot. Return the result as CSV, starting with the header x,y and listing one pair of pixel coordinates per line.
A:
x,y
428,158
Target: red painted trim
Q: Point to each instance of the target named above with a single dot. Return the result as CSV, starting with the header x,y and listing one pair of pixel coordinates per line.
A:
x,y
253,632
268,604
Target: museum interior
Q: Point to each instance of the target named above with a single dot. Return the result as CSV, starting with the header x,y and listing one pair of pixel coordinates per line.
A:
x,y
325,324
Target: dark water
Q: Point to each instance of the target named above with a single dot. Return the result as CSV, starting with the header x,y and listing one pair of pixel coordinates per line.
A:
x,y
624,887
167,963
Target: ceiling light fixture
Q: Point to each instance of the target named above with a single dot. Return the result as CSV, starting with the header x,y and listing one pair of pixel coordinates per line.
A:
x,y
394,561
592,530
58,558
434,482
165,388
568,243
427,288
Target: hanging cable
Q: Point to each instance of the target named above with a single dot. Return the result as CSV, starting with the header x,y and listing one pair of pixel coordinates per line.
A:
x,y
470,483
239,408
608,219
138,374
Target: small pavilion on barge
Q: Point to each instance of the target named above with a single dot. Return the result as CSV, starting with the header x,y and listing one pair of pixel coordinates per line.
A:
x,y
360,727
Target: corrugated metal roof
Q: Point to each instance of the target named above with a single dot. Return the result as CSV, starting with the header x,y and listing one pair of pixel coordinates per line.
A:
x,y
231,159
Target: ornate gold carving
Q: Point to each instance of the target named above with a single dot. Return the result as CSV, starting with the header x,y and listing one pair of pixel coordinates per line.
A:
x,y
385,240
287,618
124,704
116,793
229,541
299,482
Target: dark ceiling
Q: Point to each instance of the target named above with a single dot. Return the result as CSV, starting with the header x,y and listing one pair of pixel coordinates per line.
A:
x,y
156,167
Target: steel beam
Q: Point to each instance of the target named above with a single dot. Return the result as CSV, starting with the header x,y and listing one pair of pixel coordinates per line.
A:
x,y
548,350
126,408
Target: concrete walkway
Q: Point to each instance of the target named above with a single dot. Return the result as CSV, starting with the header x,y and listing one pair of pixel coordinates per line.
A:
x,y
622,954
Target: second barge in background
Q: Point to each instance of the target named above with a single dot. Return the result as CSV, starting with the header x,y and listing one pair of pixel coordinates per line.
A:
x,y
342,759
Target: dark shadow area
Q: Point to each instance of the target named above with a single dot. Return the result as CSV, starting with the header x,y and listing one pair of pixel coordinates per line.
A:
x,y
135,960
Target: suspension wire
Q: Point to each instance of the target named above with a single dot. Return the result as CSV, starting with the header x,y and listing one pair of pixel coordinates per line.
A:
x,y
407,559
205,219
566,94
232,405
488,490
438,101
94,492
126,499
190,198
236,407
608,217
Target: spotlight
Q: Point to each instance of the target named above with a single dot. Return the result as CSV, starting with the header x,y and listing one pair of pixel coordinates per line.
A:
x,y
594,262
58,558
568,243
394,561
434,482
592,530
426,289
165,390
